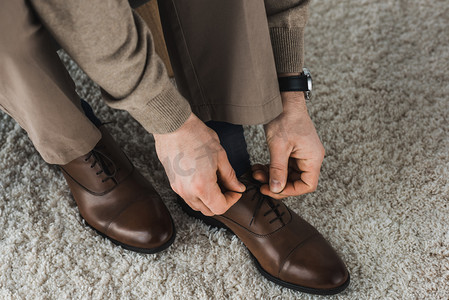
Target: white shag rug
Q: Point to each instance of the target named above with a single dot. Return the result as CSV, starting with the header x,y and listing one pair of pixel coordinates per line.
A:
x,y
381,107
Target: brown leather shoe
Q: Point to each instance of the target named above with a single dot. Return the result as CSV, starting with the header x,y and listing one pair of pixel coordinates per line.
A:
x,y
286,249
117,201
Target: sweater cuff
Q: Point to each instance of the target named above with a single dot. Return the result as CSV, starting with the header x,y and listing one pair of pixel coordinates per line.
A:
x,y
164,113
288,48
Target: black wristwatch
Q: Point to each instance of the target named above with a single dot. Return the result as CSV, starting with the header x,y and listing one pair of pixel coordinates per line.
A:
x,y
302,82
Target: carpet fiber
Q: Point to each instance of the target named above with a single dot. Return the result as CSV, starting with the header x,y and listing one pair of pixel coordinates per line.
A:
x,y
381,107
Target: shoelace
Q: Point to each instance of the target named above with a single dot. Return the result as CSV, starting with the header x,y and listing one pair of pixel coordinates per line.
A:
x,y
104,162
255,185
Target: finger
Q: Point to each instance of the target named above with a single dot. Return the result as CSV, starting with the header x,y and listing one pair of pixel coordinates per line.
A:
x,y
260,172
298,184
265,189
261,176
309,176
217,202
198,205
232,198
226,174
279,156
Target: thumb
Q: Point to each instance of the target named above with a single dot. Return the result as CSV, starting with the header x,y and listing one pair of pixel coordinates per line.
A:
x,y
279,156
227,175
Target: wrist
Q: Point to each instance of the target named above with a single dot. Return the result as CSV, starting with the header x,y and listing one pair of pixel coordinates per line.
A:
x,y
293,96
293,101
187,125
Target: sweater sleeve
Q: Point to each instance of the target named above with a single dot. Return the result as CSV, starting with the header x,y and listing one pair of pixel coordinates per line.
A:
x,y
287,20
115,48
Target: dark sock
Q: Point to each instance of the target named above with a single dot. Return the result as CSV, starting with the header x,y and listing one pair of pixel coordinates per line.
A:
x,y
233,141
90,113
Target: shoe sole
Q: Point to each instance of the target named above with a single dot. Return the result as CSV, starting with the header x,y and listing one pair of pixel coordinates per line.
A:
x,y
137,249
215,223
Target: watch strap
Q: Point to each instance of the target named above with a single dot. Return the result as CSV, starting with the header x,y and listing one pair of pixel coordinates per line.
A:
x,y
293,83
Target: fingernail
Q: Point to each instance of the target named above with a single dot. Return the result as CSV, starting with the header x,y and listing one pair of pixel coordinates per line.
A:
x,y
242,186
275,186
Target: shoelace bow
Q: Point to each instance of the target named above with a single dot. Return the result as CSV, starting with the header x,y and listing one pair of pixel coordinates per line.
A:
x,y
255,185
104,162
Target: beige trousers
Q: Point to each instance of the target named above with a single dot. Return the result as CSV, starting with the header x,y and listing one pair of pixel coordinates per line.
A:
x,y
220,52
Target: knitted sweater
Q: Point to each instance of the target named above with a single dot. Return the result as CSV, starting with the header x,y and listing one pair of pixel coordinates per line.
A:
x,y
122,60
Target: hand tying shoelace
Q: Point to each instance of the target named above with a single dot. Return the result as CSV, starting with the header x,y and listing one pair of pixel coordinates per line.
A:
x,y
261,198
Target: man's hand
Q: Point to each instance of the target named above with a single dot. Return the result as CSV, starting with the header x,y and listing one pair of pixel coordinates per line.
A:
x,y
195,162
296,152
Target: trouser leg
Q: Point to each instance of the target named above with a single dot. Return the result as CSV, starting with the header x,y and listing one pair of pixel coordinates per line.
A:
x,y
222,58
37,91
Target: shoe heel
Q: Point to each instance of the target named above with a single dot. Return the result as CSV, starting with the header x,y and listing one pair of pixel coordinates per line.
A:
x,y
198,215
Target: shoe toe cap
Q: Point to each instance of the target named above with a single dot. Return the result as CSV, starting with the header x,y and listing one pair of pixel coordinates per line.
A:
x,y
315,264
143,226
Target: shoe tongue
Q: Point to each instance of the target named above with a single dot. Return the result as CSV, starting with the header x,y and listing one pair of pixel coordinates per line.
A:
x,y
247,178
106,163
252,185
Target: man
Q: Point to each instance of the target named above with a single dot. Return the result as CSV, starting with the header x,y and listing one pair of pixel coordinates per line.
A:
x,y
227,57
